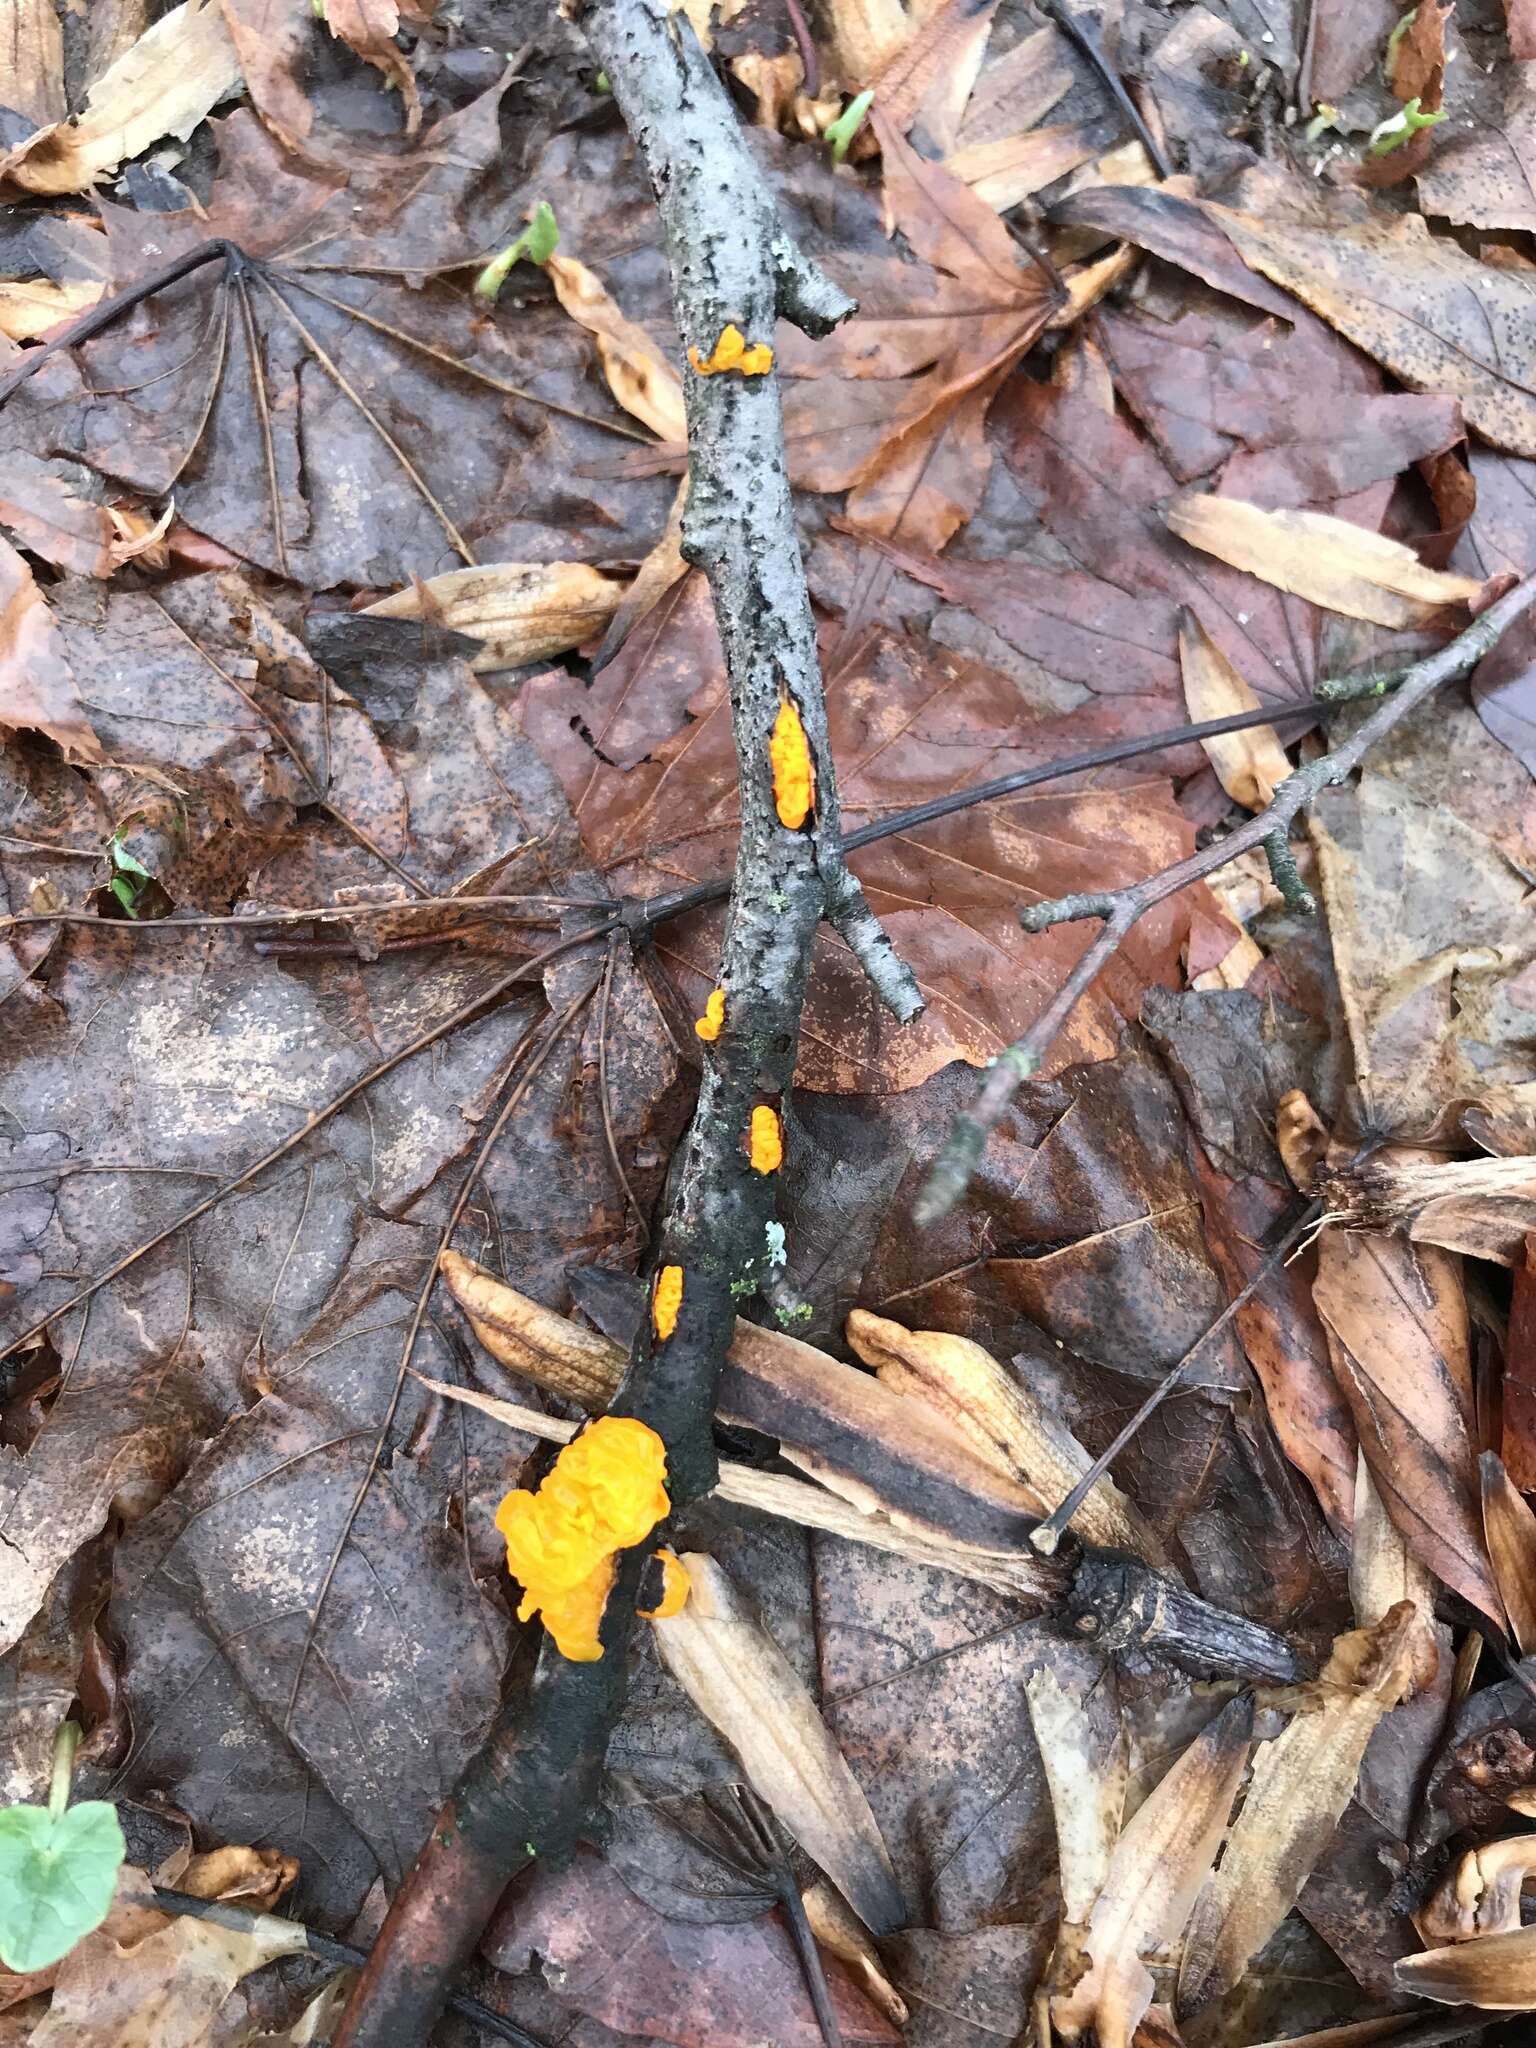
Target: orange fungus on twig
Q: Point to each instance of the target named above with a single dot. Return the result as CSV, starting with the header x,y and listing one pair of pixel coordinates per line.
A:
x,y
605,1494
733,352
767,1141
789,754
666,1301
708,1026
675,1588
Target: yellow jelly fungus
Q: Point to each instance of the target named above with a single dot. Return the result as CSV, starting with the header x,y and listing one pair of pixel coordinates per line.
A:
x,y
789,753
708,1026
675,1588
733,352
666,1301
606,1493
767,1143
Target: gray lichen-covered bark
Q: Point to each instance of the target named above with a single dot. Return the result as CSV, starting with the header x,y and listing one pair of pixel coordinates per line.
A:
x,y
531,1788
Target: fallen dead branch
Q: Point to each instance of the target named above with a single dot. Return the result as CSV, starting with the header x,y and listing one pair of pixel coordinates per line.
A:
x,y
735,273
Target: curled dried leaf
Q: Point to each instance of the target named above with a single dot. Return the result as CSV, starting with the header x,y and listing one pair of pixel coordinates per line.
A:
x,y
1511,1531
1155,1873
1480,1894
522,611
744,1685
638,373
1497,1974
1004,1420
1301,1784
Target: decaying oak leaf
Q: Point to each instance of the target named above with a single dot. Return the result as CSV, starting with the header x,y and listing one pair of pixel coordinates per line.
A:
x,y
1483,1207
37,687
1496,1974
1002,1417
1431,314
1249,765
164,85
638,373
744,1685
880,1452
1331,562
521,611
1074,1710
1300,1785
1396,1316
1155,1874
1510,1527
1480,1894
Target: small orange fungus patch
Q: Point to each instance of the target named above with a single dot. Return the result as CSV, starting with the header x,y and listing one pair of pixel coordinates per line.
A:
x,y
675,1588
708,1026
733,352
605,1494
789,752
666,1301
767,1141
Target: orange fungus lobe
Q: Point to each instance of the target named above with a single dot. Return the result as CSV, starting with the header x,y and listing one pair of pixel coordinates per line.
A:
x,y
789,754
708,1026
733,352
767,1140
606,1493
675,1588
666,1301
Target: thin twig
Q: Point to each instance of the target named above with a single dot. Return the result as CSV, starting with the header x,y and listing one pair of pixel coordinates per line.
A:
x,y
1084,40
516,1095
1121,909
105,311
325,1948
526,970
1046,1538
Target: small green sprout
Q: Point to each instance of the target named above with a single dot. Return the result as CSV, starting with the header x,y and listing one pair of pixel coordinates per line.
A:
x,y
602,83
848,123
1403,26
536,244
786,1318
1324,116
130,877
58,1868
1401,127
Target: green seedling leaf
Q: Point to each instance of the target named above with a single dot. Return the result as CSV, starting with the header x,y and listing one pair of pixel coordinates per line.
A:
x,y
536,244
848,123
57,1876
1402,127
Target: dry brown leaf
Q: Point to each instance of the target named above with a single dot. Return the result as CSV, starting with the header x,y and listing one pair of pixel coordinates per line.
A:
x,y
1249,765
845,1936
1158,1866
936,70
1075,1713
370,28
1010,167
1332,562
32,81
1015,1572
885,1455
522,611
166,84
1428,312
147,1980
1483,1207
1382,1571
1396,1316
867,34
1003,1419
37,690
1301,1138
45,516
1480,1894
662,570
1510,1527
1497,1974
31,307
744,1685
1300,1785
639,375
